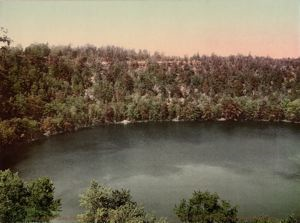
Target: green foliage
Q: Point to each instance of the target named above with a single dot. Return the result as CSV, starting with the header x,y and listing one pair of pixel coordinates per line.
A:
x,y
13,198
35,202
293,110
103,204
18,129
37,50
205,207
289,219
266,219
42,206
7,133
63,88
22,202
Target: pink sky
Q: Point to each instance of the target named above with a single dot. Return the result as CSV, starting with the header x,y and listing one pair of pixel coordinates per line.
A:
x,y
224,27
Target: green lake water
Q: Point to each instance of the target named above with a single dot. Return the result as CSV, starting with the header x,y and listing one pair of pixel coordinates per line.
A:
x,y
253,165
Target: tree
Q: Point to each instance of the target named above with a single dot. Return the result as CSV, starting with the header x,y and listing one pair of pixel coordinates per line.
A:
x,y
36,51
46,90
42,206
293,110
13,197
266,219
290,219
107,205
205,207
26,202
3,36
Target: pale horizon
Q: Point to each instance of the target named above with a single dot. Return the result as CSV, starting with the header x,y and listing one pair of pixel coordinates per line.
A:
x,y
175,28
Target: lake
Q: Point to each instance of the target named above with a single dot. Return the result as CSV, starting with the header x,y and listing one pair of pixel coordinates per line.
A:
x,y
253,165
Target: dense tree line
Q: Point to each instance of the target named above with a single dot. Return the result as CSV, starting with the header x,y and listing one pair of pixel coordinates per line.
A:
x,y
47,90
34,202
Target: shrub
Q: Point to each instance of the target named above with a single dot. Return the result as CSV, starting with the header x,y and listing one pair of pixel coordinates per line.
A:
x,y
205,207
106,205
26,202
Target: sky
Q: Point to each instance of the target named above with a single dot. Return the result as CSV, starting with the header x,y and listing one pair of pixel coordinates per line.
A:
x,y
173,27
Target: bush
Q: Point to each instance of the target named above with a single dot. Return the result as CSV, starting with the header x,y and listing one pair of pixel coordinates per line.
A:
x,y
42,206
18,129
26,202
13,197
107,205
293,110
7,133
205,207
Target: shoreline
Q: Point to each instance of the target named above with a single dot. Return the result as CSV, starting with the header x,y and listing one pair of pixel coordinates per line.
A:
x,y
126,122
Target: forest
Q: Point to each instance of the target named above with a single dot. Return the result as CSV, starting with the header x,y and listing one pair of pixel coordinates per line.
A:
x,y
49,90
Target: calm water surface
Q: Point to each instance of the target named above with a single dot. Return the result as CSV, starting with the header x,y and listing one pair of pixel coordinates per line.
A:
x,y
253,165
